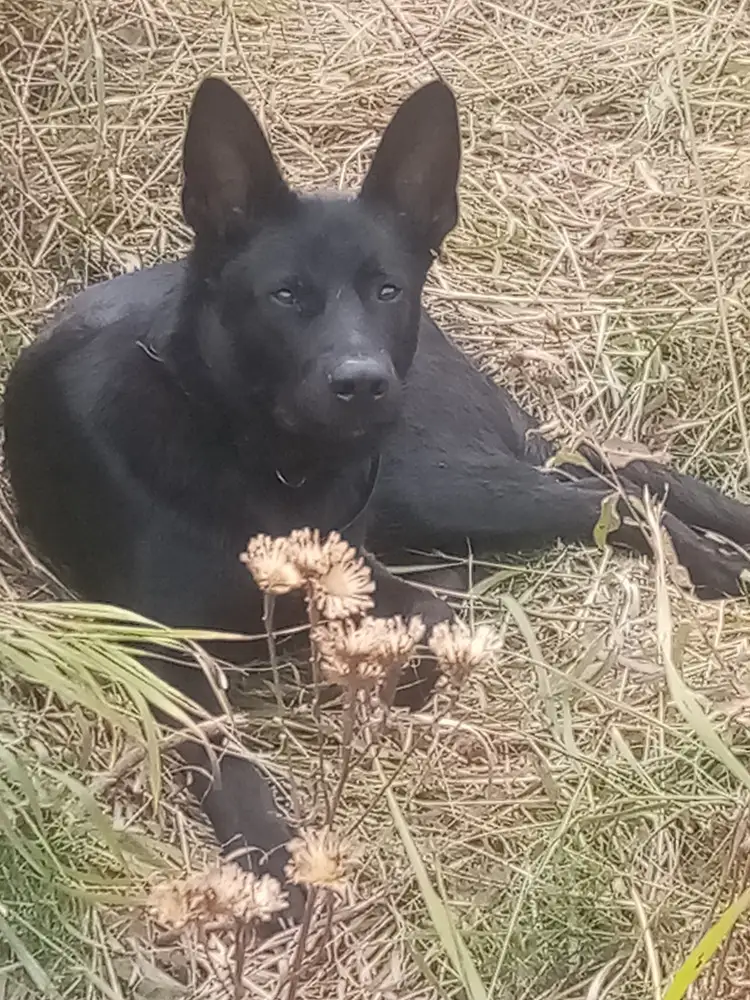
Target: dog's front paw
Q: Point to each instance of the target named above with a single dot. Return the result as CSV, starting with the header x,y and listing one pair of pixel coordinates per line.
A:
x,y
715,570
251,832
717,574
274,864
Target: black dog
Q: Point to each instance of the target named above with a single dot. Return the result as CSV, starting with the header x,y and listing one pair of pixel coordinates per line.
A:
x,y
284,375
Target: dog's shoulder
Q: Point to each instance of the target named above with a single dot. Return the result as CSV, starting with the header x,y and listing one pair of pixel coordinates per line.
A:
x,y
132,304
89,346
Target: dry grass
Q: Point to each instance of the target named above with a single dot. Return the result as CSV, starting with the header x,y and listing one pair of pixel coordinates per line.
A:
x,y
584,839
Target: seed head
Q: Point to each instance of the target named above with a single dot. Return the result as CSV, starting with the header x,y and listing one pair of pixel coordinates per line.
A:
x,y
345,589
221,896
321,858
313,555
362,655
270,563
458,650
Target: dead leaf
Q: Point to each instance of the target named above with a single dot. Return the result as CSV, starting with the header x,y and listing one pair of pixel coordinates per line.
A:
x,y
565,457
609,520
641,665
737,67
619,453
677,572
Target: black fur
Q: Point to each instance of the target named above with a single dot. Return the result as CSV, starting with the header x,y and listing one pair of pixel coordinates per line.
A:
x,y
261,384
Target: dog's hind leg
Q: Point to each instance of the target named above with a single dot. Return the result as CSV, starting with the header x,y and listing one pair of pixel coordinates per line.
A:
x,y
497,503
692,501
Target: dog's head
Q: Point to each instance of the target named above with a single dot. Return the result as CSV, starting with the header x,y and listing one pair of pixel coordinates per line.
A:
x,y
310,306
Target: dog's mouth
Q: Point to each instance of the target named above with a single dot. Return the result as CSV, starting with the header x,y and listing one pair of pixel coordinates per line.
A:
x,y
317,432
332,419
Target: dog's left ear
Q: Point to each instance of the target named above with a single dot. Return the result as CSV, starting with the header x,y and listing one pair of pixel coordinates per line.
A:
x,y
414,172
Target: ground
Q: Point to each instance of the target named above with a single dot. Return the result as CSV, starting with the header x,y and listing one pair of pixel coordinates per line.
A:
x,y
571,810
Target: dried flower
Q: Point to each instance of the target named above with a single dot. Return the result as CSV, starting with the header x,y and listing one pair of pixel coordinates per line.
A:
x,y
458,650
268,560
268,899
363,654
220,896
313,556
320,858
170,905
339,580
345,589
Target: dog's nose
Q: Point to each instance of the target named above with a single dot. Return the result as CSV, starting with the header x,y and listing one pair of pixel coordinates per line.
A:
x,y
362,380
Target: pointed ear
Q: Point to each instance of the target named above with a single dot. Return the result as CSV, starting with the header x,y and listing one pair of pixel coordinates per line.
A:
x,y
231,177
415,168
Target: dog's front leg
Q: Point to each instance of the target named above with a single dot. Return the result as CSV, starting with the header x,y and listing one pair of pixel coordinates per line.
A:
x,y
232,791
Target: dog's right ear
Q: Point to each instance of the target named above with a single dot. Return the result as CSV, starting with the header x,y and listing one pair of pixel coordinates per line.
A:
x,y
231,177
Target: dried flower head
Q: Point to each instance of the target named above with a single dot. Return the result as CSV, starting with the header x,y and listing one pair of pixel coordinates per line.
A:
x,y
268,560
459,650
170,905
313,556
339,580
345,589
320,858
363,654
221,896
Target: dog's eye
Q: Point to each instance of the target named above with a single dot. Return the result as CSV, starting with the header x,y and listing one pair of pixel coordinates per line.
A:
x,y
284,297
387,293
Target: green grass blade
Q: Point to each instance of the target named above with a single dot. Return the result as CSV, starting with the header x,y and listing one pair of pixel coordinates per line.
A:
x,y
31,967
697,961
440,915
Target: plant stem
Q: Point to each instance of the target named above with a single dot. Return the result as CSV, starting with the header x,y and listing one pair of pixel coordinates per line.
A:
x,y
373,746
241,933
269,605
314,619
299,953
347,723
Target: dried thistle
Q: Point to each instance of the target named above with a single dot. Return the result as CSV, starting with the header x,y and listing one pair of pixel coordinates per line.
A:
x,y
321,858
221,896
268,560
459,650
362,655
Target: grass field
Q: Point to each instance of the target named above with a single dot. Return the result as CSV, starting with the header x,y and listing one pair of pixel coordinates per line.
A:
x,y
578,822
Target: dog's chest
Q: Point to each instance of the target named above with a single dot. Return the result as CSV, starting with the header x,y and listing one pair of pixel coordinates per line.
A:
x,y
244,502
